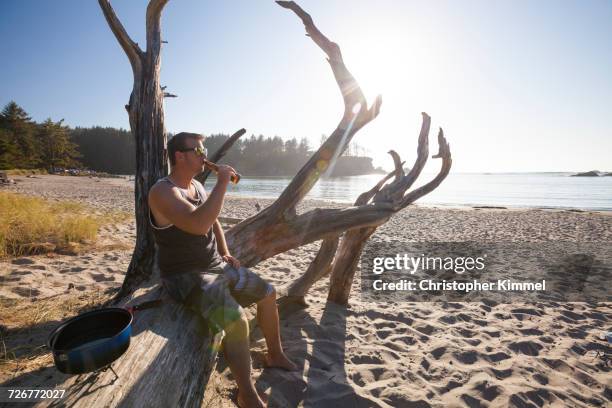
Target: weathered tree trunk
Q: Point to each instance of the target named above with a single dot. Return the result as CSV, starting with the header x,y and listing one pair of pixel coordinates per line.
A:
x,y
346,264
146,115
318,268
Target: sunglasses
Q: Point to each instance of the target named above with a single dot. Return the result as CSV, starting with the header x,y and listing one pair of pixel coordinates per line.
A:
x,y
199,151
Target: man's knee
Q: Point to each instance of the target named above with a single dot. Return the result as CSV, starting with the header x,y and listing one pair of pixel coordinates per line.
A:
x,y
237,324
269,297
271,292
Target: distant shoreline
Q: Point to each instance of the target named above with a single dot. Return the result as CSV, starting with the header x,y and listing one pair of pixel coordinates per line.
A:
x,y
127,181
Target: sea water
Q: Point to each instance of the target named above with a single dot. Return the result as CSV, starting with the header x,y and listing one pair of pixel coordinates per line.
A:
x,y
533,190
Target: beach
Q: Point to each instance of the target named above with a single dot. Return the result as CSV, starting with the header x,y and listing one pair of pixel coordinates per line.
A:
x,y
383,354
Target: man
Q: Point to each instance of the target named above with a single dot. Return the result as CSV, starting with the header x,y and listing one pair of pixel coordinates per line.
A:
x,y
197,269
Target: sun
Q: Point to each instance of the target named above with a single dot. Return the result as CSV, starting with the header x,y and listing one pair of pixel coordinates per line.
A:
x,y
377,64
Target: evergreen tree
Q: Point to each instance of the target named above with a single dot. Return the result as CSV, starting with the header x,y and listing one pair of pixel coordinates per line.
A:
x,y
14,119
303,147
57,150
8,150
106,149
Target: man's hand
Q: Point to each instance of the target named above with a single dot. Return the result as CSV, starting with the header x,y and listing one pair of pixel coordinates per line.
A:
x,y
225,173
232,261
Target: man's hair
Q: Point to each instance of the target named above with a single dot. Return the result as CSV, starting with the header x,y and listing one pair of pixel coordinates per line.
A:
x,y
178,142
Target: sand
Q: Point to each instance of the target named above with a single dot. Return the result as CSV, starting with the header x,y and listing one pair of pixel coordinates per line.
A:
x,y
385,354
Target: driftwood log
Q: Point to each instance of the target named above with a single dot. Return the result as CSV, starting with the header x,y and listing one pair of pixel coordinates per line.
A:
x,y
169,362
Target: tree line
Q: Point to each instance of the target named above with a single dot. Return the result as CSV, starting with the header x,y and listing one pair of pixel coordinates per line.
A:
x,y
25,144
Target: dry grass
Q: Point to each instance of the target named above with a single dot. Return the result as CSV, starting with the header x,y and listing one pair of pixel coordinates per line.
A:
x,y
25,172
27,323
33,225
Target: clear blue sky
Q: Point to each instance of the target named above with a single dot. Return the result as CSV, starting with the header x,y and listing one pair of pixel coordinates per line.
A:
x,y
517,85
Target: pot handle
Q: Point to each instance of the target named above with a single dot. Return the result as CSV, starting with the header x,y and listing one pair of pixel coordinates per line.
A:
x,y
53,337
145,305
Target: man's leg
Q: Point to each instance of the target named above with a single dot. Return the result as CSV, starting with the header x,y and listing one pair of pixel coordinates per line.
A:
x,y
247,288
236,352
214,302
267,317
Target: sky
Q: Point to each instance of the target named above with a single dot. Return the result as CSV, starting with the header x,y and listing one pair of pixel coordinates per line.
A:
x,y
516,85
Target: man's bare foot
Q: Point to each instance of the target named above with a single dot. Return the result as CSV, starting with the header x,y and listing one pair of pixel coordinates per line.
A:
x,y
280,361
250,400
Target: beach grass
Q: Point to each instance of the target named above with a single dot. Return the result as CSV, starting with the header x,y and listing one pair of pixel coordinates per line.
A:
x,y
32,225
25,172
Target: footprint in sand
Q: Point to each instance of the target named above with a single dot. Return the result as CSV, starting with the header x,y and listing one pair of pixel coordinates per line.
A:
x,y
366,359
426,329
25,292
487,391
22,261
438,352
467,333
496,357
20,273
466,357
99,277
383,334
540,397
526,311
451,385
384,325
501,374
572,316
471,401
529,348
542,379
531,332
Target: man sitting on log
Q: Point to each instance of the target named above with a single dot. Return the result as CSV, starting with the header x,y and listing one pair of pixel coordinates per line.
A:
x,y
197,268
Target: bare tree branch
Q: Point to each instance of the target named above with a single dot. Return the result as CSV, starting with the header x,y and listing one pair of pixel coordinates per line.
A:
x,y
351,92
365,197
394,191
255,239
356,115
131,49
397,162
444,153
153,24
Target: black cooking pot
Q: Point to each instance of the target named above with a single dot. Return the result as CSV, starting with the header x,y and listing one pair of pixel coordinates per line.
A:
x,y
93,340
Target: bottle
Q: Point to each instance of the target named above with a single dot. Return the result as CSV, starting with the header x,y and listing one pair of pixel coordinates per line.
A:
x,y
235,178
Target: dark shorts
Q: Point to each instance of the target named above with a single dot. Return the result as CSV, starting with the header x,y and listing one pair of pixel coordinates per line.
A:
x,y
219,293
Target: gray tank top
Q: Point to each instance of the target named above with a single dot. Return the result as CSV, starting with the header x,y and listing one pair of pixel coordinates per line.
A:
x,y
180,251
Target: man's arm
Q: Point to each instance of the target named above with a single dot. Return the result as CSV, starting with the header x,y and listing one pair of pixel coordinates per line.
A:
x,y
220,236
222,246
167,201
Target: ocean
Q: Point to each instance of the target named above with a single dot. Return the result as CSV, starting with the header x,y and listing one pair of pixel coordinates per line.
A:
x,y
532,190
